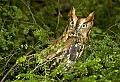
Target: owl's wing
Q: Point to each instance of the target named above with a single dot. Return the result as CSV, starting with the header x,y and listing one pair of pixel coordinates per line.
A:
x,y
69,53
57,41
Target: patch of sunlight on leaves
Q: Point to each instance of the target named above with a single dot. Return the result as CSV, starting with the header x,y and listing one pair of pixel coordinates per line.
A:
x,y
22,59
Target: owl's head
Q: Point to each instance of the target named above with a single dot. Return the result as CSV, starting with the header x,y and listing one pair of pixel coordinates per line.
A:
x,y
72,18
83,27
69,31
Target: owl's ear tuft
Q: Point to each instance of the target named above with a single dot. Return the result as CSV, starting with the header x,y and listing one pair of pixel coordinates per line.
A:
x,y
91,16
72,11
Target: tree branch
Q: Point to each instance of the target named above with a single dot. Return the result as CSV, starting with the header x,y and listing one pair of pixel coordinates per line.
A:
x,y
8,72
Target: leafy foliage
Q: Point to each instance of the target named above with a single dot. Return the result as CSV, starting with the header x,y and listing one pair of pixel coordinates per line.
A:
x,y
29,25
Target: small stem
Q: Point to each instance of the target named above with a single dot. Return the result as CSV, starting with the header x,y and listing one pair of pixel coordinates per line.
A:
x,y
8,72
58,16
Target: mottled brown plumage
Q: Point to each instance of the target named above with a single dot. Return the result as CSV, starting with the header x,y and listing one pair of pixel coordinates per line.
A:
x,y
74,37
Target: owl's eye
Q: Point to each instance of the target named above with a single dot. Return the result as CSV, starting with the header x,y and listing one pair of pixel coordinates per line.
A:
x,y
84,25
72,22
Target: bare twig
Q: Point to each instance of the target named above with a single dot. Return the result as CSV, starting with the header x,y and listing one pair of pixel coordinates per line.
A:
x,y
31,52
112,31
8,60
38,66
44,63
59,15
110,28
3,72
34,21
10,57
11,69
19,21
8,72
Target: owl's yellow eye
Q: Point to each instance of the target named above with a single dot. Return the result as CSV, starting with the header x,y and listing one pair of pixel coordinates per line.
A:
x,y
72,22
84,25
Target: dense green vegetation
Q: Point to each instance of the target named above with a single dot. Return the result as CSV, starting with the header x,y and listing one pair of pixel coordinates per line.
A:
x,y
29,26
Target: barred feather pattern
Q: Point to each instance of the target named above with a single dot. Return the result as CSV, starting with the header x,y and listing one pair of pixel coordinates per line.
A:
x,y
74,37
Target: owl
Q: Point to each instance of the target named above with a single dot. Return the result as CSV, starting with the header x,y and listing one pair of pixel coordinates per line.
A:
x,y
69,30
72,19
75,36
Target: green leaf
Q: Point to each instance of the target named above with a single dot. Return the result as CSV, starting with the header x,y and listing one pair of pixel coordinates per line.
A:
x,y
18,14
40,60
22,59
